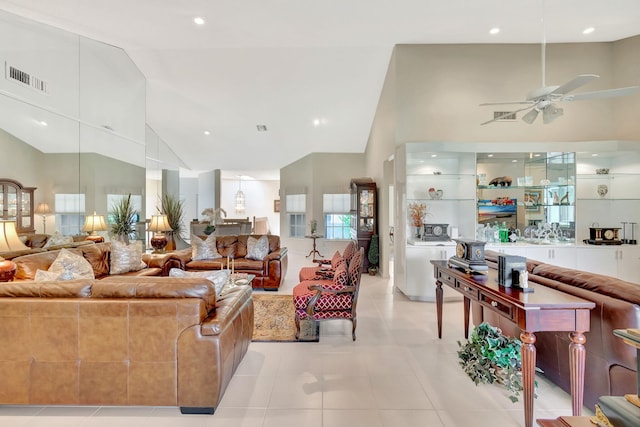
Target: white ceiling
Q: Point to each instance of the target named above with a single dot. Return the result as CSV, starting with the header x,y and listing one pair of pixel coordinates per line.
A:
x,y
284,63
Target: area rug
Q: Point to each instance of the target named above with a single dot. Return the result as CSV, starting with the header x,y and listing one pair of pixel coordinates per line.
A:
x,y
274,320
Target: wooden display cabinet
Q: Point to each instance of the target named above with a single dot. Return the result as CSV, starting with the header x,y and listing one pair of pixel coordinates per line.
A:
x,y
16,204
364,214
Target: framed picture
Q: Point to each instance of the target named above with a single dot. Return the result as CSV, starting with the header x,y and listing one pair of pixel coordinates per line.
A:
x,y
533,200
276,205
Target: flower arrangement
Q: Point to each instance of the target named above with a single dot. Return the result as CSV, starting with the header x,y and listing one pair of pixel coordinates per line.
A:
x,y
418,212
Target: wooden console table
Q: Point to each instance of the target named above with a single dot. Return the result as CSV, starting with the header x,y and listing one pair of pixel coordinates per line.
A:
x,y
545,309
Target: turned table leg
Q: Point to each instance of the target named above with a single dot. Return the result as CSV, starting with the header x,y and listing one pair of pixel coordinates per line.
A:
x,y
439,300
577,354
528,374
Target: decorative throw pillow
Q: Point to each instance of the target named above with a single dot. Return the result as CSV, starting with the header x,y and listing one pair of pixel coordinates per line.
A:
x,y
58,239
125,258
218,277
67,266
204,249
335,259
257,249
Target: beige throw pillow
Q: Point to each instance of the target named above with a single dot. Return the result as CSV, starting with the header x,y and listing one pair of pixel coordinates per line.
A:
x,y
257,249
204,249
58,239
125,258
218,277
67,266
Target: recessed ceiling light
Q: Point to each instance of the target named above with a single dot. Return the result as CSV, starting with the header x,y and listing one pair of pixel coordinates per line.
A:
x,y
261,128
43,123
489,155
514,161
494,30
319,121
588,30
206,132
198,20
536,155
594,155
434,155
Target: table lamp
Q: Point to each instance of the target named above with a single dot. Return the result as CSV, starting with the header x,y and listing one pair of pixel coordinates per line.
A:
x,y
44,210
93,224
9,242
158,225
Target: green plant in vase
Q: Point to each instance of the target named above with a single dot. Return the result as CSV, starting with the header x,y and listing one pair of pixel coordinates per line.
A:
x,y
173,208
373,255
490,357
123,219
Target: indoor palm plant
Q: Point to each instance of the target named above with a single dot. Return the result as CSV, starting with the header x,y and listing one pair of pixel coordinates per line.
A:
x,y
123,219
173,208
491,357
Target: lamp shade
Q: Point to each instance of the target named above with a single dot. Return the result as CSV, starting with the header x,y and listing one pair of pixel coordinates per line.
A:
x,y
159,223
43,209
9,240
93,223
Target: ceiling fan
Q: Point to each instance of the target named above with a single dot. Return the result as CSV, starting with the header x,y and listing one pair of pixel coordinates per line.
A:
x,y
544,99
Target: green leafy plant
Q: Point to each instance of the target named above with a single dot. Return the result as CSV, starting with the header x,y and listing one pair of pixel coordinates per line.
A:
x,y
173,208
373,255
490,357
123,218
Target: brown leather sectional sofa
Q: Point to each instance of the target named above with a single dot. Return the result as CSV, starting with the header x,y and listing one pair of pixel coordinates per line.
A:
x,y
153,341
98,255
269,272
611,364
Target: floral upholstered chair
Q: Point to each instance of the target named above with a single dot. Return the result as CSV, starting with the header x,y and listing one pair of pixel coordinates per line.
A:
x,y
326,267
330,299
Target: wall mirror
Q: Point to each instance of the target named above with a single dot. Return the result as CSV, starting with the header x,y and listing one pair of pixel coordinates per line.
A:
x,y
72,122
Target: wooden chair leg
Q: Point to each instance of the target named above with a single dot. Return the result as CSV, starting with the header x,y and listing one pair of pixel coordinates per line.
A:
x,y
353,328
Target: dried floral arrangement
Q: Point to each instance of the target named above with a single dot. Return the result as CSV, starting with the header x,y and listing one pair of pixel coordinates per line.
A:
x,y
418,212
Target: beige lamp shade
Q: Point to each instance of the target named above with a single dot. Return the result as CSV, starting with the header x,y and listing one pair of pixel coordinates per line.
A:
x,y
43,209
9,240
159,223
93,223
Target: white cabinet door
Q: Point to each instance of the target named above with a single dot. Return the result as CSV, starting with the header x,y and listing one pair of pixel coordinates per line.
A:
x,y
420,284
560,256
629,263
597,259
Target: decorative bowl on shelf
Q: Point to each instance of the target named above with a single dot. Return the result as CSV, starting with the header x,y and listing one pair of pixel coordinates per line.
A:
x,y
602,171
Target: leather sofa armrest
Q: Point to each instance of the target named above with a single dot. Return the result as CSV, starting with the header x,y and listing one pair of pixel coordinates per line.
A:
x,y
277,254
228,306
155,260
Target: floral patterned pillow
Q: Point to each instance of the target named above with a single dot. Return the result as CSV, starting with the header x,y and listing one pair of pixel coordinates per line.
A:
x,y
204,249
57,239
257,249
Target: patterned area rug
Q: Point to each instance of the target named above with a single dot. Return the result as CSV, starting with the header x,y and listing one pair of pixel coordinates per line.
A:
x,y
274,320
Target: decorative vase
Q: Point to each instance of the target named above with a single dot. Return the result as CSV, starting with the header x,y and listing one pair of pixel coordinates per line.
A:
x,y
603,190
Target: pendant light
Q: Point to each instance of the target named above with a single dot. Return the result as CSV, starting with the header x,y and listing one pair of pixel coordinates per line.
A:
x,y
240,200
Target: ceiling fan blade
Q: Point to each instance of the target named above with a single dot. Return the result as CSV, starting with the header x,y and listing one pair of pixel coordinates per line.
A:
x,y
530,117
611,93
501,116
574,83
507,103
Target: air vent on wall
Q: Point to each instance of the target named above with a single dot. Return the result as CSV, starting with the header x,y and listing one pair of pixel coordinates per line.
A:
x,y
504,116
22,77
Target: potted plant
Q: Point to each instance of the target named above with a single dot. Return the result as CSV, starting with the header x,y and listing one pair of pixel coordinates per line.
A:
x,y
373,255
173,208
490,357
123,219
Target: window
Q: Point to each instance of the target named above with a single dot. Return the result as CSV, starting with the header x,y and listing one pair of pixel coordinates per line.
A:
x,y
296,205
70,212
337,219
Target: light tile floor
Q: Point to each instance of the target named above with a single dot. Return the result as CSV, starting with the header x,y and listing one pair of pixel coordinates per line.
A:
x,y
397,374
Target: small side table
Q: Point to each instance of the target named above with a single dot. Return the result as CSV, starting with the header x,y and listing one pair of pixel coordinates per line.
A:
x,y
314,251
567,422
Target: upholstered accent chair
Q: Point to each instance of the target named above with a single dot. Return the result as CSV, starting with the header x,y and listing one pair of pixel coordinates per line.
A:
x,y
326,267
330,299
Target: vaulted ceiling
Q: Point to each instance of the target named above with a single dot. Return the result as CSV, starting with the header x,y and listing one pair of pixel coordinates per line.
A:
x,y
311,72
